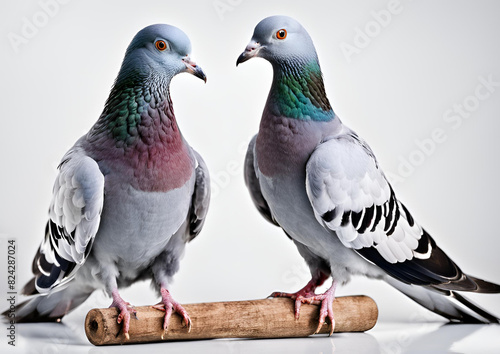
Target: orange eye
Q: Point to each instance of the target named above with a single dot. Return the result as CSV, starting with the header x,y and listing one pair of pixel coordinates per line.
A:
x,y
281,34
160,45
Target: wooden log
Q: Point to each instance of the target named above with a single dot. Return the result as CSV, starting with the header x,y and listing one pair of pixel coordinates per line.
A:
x,y
268,318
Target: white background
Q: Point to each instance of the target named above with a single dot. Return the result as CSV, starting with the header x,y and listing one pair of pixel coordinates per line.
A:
x,y
395,92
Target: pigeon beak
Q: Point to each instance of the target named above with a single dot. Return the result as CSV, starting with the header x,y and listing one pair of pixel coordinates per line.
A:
x,y
251,51
194,69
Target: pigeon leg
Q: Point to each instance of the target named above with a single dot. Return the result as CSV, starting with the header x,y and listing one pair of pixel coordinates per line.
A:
x,y
168,304
125,309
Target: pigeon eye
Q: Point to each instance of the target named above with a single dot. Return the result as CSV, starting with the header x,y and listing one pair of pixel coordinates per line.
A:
x,y
281,34
161,45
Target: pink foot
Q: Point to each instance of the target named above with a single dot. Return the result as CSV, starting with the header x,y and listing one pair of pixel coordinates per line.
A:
x,y
125,310
168,304
306,292
306,295
326,310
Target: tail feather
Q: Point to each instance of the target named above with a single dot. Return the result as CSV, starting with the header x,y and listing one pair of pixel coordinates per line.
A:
x,y
30,288
49,308
447,303
470,284
27,311
475,308
485,286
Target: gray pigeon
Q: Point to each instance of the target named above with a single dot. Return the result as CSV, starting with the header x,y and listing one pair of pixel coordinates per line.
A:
x,y
321,183
129,194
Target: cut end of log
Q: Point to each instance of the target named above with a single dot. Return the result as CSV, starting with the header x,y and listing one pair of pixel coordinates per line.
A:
x,y
94,327
268,318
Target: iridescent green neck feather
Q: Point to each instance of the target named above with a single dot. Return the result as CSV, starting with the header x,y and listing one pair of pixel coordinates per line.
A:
x,y
128,105
298,92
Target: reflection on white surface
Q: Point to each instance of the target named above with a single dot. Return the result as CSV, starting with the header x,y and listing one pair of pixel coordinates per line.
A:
x,y
386,337
437,338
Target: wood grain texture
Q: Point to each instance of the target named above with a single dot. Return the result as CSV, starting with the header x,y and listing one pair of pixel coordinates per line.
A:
x,y
268,318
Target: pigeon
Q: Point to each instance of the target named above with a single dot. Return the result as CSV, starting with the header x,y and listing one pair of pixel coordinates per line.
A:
x,y
321,183
128,195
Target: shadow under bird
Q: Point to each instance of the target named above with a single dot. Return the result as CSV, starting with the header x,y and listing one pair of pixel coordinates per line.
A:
x,y
129,194
321,183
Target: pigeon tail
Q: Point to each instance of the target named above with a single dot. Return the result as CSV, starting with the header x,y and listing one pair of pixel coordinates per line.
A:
x,y
49,308
447,303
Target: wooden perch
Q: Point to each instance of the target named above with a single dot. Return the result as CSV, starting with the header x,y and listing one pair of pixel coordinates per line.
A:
x,y
269,318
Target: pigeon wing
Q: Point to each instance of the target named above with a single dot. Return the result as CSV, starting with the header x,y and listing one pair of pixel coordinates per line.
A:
x,y
74,217
252,183
352,198
200,199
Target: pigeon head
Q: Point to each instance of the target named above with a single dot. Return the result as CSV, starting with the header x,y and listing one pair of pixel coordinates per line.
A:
x,y
279,39
159,50
156,54
297,90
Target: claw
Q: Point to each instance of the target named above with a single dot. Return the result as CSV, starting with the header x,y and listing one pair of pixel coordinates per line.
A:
x,y
332,327
159,306
188,324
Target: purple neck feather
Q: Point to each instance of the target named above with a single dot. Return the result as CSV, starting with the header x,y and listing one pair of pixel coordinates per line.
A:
x,y
137,139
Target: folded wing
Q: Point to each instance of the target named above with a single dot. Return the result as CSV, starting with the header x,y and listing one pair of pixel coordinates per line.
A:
x,y
352,198
74,217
